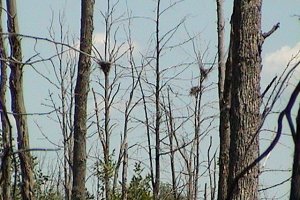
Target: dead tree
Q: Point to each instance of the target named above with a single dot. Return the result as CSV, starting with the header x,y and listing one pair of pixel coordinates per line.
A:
x,y
224,101
6,134
244,65
81,94
17,101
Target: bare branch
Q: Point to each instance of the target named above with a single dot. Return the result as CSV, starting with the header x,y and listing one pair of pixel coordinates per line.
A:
x,y
268,87
267,34
31,149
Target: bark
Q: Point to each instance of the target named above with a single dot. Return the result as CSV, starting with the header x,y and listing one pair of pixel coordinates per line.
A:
x,y
66,119
68,144
106,149
157,108
124,173
295,191
124,144
224,104
197,133
221,46
17,102
6,131
171,132
245,60
81,94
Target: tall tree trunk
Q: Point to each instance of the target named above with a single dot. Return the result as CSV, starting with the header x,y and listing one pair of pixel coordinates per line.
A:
x,y
6,134
171,132
295,191
224,105
245,59
17,101
156,186
106,149
81,94
197,124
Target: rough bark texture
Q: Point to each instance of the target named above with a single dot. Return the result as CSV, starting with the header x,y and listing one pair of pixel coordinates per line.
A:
x,y
295,190
224,105
245,59
17,102
81,94
6,159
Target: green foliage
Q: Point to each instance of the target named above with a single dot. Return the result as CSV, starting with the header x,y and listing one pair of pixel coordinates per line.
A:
x,y
100,167
44,187
50,196
166,193
139,187
109,167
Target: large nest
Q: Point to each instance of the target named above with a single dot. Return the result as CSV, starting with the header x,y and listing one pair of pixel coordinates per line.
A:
x,y
105,66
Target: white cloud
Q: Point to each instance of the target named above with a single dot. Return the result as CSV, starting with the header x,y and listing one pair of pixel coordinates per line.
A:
x,y
99,40
274,63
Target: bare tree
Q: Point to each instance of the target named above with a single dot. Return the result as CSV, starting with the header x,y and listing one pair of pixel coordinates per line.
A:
x,y
189,149
244,63
295,192
157,105
171,134
81,93
17,101
105,67
224,103
64,70
154,168
124,195
130,104
116,77
174,121
6,130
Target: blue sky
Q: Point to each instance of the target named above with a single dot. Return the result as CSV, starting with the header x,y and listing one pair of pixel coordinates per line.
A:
x,y
35,17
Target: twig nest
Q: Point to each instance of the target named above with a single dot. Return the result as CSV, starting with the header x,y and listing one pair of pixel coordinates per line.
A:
x,y
194,91
105,66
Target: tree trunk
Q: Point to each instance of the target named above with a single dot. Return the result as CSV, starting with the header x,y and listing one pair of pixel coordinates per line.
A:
x,y
81,94
17,101
171,132
156,186
6,129
106,149
245,60
295,191
224,105
125,173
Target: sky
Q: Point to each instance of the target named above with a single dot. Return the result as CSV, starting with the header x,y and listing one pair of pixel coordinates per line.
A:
x,y
36,17
201,18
